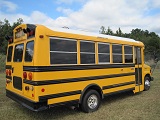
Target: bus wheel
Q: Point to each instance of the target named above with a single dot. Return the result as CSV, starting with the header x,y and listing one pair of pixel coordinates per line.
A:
x,y
91,101
147,83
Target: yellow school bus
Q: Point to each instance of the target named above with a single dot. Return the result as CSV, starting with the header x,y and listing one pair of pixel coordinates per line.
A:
x,y
46,67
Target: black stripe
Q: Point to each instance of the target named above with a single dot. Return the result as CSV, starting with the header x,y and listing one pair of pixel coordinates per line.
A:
x,y
118,85
70,103
8,77
44,98
120,91
8,66
73,67
48,82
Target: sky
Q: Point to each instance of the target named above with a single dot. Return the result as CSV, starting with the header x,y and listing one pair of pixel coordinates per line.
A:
x,y
85,15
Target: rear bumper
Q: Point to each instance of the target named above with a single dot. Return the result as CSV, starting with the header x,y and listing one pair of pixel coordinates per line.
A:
x,y
34,106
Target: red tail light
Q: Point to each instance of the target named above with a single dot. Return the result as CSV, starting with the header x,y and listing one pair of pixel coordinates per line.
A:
x,y
30,76
9,72
24,75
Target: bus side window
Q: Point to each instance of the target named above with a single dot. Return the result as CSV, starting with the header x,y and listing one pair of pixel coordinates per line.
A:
x,y
9,54
128,52
103,53
117,53
87,52
29,51
63,51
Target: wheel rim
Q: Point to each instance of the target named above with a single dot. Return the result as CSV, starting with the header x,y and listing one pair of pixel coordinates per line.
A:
x,y
147,83
92,101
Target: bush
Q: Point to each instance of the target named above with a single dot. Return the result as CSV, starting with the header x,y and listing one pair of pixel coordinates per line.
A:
x,y
2,62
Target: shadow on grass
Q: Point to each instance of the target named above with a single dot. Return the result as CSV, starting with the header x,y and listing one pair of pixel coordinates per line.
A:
x,y
60,112
117,97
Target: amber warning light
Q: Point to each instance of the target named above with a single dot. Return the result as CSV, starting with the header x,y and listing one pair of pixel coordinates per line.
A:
x,y
29,32
9,38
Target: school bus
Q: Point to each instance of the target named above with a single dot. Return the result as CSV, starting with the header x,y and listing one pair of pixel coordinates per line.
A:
x,y
46,67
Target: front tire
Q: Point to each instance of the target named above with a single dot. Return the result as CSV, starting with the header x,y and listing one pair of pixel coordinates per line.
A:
x,y
147,83
91,101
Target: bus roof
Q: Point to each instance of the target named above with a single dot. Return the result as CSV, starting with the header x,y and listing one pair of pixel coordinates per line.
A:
x,y
92,34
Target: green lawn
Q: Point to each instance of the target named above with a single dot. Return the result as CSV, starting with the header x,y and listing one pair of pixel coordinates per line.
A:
x,y
126,106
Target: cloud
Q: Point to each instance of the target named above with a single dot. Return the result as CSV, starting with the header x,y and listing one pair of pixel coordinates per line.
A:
x,y
69,2
65,11
93,14
9,5
125,14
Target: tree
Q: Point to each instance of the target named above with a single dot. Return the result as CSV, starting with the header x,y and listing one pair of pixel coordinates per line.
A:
x,y
7,29
153,47
150,39
119,32
109,31
102,30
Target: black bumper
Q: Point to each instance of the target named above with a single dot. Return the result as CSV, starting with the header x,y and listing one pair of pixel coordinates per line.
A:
x,y
34,106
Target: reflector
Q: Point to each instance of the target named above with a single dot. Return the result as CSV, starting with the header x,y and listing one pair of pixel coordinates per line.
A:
x,y
42,89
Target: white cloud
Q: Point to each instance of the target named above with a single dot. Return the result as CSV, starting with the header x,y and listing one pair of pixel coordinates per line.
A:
x,y
65,11
125,14
155,3
10,6
69,1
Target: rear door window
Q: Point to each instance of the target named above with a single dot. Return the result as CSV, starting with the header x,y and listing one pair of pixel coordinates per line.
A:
x,y
29,51
18,53
9,54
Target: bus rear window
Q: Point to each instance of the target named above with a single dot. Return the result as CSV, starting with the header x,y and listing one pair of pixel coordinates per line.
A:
x,y
29,51
18,53
9,55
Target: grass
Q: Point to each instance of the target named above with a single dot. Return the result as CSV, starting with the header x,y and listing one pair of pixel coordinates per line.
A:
x,y
125,106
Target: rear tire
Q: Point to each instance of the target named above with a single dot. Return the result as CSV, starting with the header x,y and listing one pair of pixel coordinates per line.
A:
x,y
147,83
91,101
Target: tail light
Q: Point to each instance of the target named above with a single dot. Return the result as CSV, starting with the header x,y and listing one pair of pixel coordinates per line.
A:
x,y
24,75
7,72
30,76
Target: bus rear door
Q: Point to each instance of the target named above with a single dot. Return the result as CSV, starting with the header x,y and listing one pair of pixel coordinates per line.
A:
x,y
17,67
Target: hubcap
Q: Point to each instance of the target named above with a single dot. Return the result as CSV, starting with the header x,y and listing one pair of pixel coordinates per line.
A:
x,y
147,83
92,101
